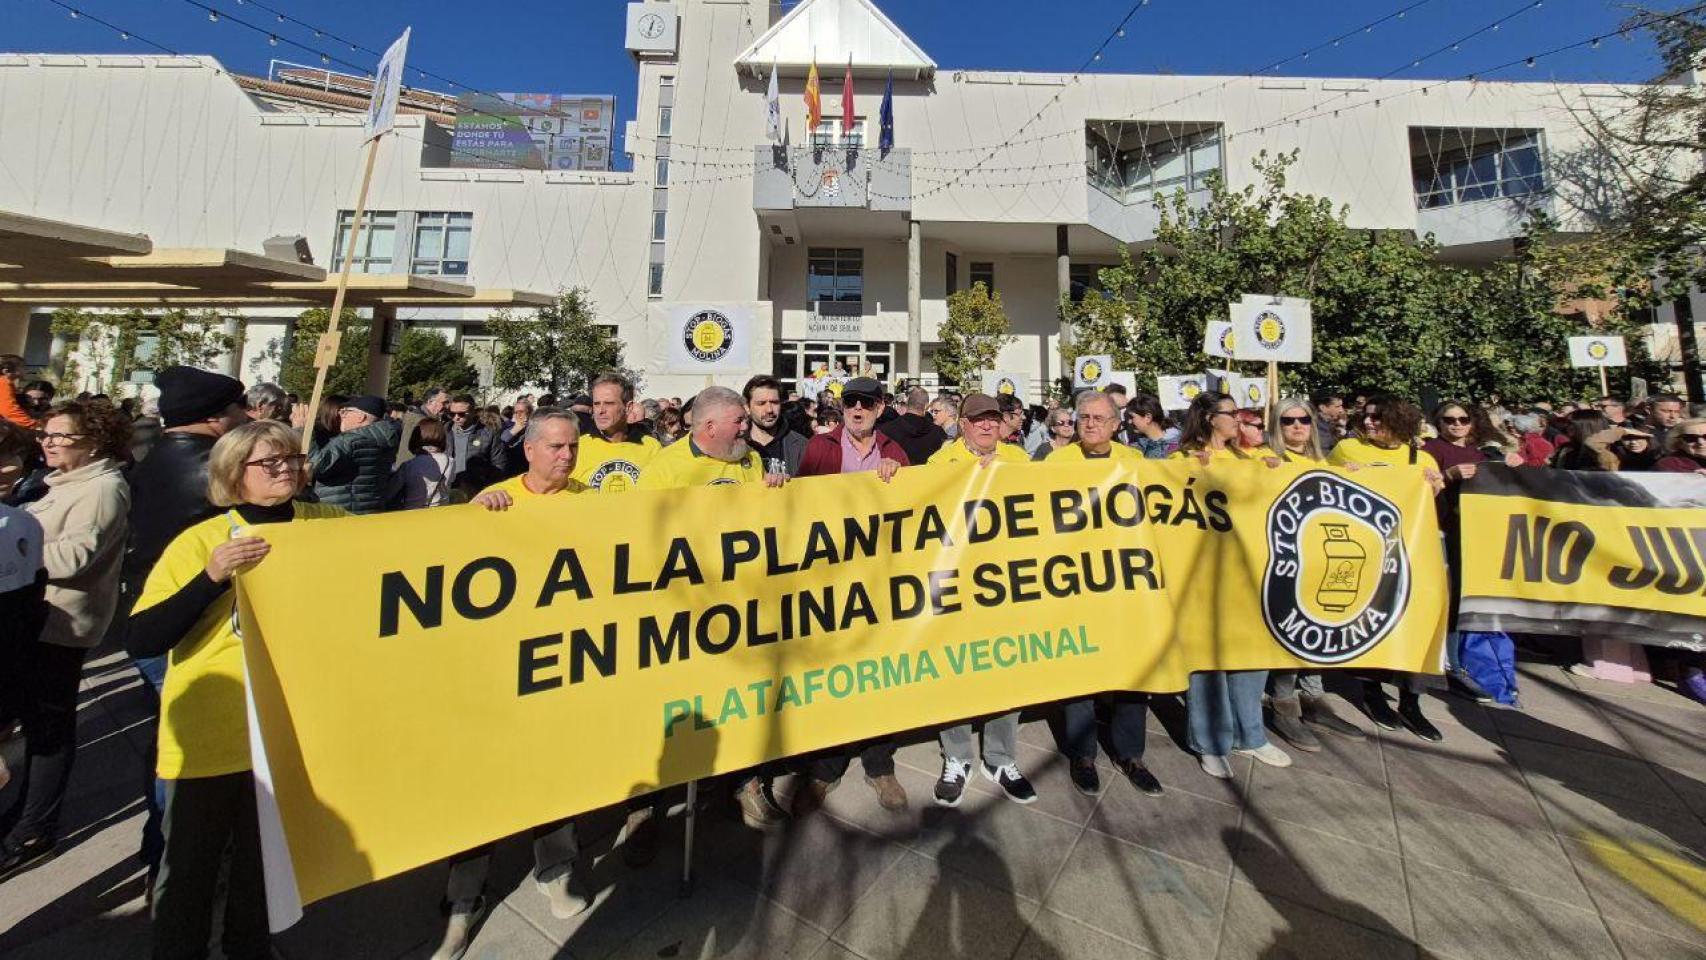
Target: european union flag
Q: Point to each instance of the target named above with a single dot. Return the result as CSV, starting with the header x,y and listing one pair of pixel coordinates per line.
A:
x,y
885,134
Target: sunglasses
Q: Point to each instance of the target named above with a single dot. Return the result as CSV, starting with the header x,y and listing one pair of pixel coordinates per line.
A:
x,y
1694,438
1294,421
460,414
1455,421
860,402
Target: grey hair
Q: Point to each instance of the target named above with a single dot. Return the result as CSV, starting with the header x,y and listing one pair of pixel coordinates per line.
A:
x,y
432,392
712,399
1525,423
542,417
917,400
651,408
1088,397
264,395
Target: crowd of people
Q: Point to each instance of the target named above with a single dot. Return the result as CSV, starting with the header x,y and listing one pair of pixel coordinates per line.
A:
x,y
133,520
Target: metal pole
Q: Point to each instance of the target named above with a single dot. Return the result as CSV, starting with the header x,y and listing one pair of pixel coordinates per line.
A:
x,y
687,846
326,353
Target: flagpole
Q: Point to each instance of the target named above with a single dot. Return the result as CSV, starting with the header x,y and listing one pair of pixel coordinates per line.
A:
x,y
326,352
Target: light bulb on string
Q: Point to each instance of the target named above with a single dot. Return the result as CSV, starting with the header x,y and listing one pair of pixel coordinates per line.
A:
x,y
272,41
213,16
74,14
123,35
1529,62
1595,43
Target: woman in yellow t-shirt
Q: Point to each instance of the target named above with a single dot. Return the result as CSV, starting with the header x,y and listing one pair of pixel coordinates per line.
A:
x,y
1223,708
188,609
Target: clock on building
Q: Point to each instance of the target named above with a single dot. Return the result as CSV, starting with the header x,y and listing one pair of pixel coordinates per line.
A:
x,y
651,26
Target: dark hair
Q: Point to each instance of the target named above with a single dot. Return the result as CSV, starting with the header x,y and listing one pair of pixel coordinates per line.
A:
x,y
326,418
1008,403
15,441
669,422
1146,404
1664,398
396,407
10,363
1320,398
428,433
107,425
1199,422
828,413
463,398
1401,418
761,382
1577,455
611,378
43,386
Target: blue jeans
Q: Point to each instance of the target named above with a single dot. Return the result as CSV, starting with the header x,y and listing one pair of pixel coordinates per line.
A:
x,y
1223,711
1128,714
153,670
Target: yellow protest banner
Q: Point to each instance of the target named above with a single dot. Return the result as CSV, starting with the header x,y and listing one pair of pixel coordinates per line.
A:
x,y
1603,554
428,682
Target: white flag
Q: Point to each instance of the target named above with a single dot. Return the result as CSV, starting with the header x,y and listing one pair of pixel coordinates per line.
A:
x,y
387,87
773,107
1598,352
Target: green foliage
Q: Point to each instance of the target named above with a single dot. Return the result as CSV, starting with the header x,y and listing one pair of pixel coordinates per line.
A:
x,y
558,350
118,345
1388,314
973,334
423,359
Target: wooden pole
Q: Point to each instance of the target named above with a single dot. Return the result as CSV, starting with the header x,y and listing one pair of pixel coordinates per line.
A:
x,y
1273,395
1604,386
326,353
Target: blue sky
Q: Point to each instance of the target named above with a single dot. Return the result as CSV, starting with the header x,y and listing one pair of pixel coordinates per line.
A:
x,y
575,46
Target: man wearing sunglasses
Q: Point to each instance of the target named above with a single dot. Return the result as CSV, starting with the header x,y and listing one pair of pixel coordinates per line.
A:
x,y
854,447
478,458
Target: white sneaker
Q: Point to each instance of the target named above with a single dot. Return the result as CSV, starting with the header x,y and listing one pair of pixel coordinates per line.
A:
x,y
562,887
464,920
1215,766
1269,754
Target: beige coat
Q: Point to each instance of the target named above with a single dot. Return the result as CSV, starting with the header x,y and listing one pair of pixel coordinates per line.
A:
x,y
84,520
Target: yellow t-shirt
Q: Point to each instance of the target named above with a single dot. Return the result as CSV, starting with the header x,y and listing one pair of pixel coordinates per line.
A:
x,y
204,727
518,491
682,465
1075,451
1225,454
1358,450
958,452
613,467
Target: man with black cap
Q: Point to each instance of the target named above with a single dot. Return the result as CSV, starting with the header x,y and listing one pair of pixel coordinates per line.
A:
x,y
168,495
353,469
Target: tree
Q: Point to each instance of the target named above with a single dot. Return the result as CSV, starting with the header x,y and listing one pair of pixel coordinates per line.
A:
x,y
557,350
973,335
118,345
423,359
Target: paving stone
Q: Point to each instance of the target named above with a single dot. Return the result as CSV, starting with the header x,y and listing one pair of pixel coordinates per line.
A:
x,y
345,925
1176,823
1356,761
1164,905
1354,881
1571,722
1526,858
119,935
1625,776
922,911
1665,736
1691,789
1594,818
1640,943
727,921
1178,769
855,802
1269,926
1459,916
1054,937
1050,774
1491,787
1006,845
1331,805
1646,887
506,935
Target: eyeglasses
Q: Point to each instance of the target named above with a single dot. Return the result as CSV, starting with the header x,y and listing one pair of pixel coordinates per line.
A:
x,y
61,439
459,414
1694,438
1455,421
859,401
1091,418
280,463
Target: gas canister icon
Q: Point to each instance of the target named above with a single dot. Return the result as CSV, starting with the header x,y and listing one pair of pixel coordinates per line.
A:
x,y
1345,559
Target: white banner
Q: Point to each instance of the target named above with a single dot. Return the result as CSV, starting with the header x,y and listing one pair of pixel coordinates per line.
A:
x,y
709,338
1005,381
1278,329
1217,338
812,388
1123,378
1598,352
1092,370
387,87
1250,392
1176,393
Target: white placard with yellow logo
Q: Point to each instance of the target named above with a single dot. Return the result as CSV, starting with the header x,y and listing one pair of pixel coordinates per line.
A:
x,y
1598,352
1277,329
1218,339
1250,392
1092,371
709,337
1009,382
1176,393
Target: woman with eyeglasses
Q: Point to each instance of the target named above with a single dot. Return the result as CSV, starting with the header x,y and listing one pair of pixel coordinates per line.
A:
x,y
187,609
83,519
1686,451
1223,708
1387,436
1299,699
1060,433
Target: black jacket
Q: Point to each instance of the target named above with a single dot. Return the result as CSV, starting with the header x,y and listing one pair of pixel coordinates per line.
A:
x,y
917,435
353,469
168,495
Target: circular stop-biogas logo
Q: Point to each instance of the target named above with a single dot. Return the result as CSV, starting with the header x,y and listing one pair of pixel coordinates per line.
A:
x,y
1270,330
1189,390
1598,350
1253,394
1228,340
1338,577
614,476
1006,387
709,336
1091,372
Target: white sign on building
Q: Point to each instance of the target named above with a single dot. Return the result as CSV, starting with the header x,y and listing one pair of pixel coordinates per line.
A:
x,y
709,338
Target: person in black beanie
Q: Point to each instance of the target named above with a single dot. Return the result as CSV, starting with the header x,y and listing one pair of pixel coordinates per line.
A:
x,y
168,495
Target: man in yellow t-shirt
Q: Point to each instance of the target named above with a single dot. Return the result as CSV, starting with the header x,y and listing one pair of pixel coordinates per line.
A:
x,y
610,460
715,453
552,444
981,427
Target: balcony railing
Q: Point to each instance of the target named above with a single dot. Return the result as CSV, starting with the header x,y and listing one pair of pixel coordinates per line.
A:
x,y
789,178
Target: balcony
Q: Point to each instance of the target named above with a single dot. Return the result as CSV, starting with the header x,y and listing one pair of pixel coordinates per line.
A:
x,y
797,178
1129,217
1128,164
1476,188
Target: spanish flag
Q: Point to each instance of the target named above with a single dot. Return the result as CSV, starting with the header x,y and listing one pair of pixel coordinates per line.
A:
x,y
814,103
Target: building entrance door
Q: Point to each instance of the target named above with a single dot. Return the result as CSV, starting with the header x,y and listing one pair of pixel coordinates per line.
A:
x,y
800,358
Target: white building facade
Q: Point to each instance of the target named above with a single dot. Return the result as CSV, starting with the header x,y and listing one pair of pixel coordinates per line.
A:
x,y
825,251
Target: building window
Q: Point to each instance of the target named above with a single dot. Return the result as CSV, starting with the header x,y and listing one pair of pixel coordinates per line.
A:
x,y
375,248
654,281
828,134
835,273
951,284
658,218
1084,277
1134,160
983,273
663,172
664,118
1457,165
441,244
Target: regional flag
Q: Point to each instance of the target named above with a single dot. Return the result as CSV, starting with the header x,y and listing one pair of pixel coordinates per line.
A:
x,y
814,104
847,99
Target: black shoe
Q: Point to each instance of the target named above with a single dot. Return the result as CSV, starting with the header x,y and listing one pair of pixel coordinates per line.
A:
x,y
1008,778
1466,689
1140,777
1381,712
951,786
1410,712
21,856
1086,778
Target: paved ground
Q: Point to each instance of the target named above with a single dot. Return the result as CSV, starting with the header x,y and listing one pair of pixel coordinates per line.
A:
x,y
1571,830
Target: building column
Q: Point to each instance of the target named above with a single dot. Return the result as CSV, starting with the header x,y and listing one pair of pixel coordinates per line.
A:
x,y
915,300
57,354
1063,288
14,327
233,328
378,347
1688,347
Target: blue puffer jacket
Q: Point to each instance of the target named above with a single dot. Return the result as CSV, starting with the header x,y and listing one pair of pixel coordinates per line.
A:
x,y
353,469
